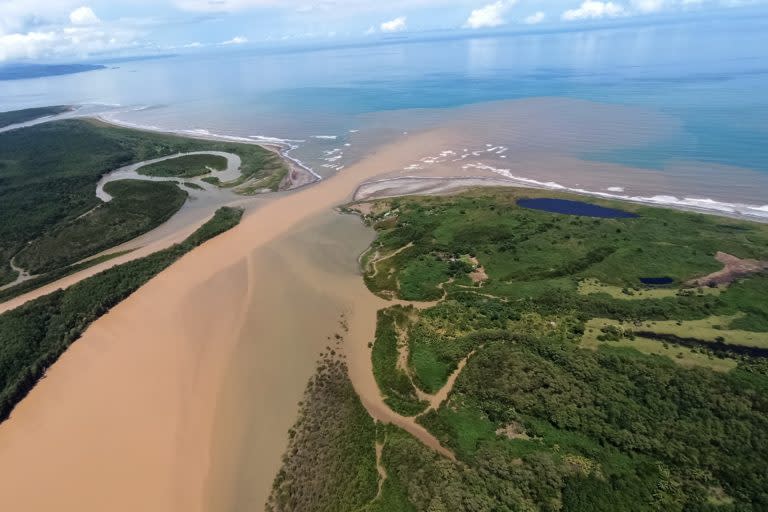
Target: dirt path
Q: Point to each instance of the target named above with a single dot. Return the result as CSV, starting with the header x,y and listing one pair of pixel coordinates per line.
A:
x,y
733,268
23,275
437,399
375,261
380,467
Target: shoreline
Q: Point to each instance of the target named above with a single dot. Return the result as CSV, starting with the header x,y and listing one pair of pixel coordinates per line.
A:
x,y
280,147
736,210
283,147
439,185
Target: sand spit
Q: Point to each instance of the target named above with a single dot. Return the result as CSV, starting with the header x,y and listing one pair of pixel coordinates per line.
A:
x,y
127,418
414,185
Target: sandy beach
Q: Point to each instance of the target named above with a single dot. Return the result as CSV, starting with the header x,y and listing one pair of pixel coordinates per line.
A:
x,y
140,413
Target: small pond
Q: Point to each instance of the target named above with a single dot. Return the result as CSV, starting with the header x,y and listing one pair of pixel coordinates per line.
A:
x,y
656,280
568,207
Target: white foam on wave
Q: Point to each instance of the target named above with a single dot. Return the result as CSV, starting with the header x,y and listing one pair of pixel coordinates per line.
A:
x,y
325,137
615,189
286,145
704,204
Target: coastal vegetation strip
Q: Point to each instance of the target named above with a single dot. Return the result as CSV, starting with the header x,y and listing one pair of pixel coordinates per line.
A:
x,y
590,386
49,173
33,336
30,114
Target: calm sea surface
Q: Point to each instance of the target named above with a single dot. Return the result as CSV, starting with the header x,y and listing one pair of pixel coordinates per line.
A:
x,y
704,84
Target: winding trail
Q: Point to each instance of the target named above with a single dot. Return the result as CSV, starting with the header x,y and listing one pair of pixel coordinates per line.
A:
x,y
23,275
375,261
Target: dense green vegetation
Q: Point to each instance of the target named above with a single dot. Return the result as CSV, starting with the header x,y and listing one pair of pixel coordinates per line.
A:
x,y
49,172
187,166
393,381
29,114
50,277
335,433
536,420
34,335
136,207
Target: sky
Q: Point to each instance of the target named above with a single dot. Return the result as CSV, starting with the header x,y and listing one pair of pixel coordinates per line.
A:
x,y
74,30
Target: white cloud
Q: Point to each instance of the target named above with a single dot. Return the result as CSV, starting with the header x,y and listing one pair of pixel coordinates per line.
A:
x,y
535,18
59,29
235,40
396,25
491,15
648,6
591,9
83,16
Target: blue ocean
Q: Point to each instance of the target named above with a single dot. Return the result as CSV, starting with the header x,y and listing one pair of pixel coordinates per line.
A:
x,y
704,82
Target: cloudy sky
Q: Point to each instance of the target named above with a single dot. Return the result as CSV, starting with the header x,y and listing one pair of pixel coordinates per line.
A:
x,y
58,30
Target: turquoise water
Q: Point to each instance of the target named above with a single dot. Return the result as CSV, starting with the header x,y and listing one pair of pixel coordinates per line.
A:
x,y
708,79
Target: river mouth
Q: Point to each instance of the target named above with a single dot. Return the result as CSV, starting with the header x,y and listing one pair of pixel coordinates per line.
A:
x,y
302,287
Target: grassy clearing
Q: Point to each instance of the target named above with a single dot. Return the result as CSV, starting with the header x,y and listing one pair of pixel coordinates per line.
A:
x,y
590,286
712,329
680,355
187,166
33,336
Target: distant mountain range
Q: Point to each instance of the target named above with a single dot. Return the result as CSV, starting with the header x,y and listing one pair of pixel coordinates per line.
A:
x,y
22,71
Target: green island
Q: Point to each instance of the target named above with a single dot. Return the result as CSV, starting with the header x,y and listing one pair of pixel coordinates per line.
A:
x,y
580,387
30,114
187,166
33,336
49,173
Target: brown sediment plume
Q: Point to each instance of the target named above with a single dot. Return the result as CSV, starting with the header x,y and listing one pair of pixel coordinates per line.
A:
x,y
127,418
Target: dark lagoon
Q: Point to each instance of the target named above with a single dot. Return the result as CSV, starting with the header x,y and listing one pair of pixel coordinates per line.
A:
x,y
656,280
568,207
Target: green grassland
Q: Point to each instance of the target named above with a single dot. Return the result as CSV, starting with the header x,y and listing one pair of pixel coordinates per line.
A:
x,y
34,335
187,166
558,410
29,114
589,286
49,172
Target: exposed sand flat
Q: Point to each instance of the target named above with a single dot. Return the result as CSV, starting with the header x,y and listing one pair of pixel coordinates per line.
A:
x,y
126,420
